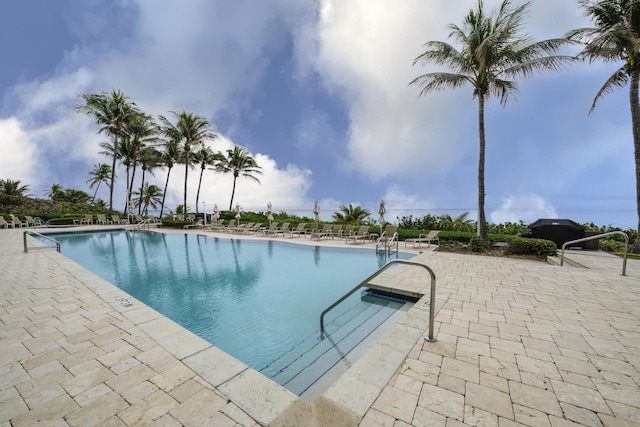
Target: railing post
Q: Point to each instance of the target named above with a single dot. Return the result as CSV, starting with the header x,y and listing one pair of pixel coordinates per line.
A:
x,y
596,237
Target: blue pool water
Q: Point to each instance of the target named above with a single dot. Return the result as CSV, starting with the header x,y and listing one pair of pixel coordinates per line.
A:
x,y
254,299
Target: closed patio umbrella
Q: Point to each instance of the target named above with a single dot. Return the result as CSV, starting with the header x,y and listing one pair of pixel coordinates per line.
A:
x,y
316,212
238,210
381,210
216,214
269,212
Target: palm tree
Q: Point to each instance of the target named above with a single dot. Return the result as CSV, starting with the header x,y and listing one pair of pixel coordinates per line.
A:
x,y
149,195
494,52
189,130
149,159
351,213
141,131
616,37
111,111
100,173
205,157
72,195
12,188
239,162
169,157
54,191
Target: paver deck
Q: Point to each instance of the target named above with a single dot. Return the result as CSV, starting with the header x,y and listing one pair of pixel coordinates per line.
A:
x,y
519,343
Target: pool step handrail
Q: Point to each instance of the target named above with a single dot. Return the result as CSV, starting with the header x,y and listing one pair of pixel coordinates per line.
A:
x,y
366,281
144,224
35,233
600,236
387,245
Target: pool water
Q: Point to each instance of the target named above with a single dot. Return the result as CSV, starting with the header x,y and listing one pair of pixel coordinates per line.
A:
x,y
254,299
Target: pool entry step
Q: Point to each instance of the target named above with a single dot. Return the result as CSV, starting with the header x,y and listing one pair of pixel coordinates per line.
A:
x,y
303,365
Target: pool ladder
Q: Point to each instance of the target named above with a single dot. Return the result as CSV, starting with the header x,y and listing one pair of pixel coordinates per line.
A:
x,y
366,281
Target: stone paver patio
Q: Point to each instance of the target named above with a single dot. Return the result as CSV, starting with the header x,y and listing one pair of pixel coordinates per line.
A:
x,y
519,343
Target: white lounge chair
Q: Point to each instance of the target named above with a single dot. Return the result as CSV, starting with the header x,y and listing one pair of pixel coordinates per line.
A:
x,y
432,236
359,236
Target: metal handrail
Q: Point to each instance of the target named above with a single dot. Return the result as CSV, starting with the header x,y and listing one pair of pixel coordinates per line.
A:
x,y
429,337
143,224
600,236
387,243
31,232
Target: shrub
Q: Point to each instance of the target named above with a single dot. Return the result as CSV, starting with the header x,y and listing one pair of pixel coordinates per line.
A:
x,y
169,223
523,246
477,245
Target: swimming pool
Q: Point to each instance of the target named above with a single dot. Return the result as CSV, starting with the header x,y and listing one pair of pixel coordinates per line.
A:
x,y
257,300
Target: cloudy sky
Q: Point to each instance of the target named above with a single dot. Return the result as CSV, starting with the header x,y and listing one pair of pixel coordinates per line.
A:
x,y
318,92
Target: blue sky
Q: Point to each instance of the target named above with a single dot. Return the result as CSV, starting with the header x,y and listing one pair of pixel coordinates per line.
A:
x,y
318,92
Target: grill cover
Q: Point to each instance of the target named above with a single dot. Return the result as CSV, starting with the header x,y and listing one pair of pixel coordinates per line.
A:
x,y
559,231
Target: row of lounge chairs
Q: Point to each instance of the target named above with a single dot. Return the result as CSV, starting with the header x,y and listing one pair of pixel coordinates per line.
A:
x,y
101,219
16,222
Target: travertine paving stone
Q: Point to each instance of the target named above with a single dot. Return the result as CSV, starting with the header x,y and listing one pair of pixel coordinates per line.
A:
x,y
520,343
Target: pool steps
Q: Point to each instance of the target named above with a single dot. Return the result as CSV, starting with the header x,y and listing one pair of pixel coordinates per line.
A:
x,y
303,365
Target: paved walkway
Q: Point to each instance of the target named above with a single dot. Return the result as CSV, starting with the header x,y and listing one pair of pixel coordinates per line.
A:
x,y
519,343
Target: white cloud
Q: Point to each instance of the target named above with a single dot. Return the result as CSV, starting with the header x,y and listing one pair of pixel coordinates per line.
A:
x,y
525,207
19,157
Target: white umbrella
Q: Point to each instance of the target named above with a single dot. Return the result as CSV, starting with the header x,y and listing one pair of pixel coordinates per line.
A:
x,y
381,210
238,210
269,212
316,212
216,213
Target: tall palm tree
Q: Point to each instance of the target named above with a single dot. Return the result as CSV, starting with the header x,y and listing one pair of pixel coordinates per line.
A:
x,y
190,130
142,132
205,157
616,37
111,111
238,161
494,51
169,157
351,213
100,173
149,159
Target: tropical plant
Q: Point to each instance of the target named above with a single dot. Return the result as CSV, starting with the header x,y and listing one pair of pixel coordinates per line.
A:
x,y
494,52
239,162
205,157
72,195
615,37
351,213
169,157
53,191
141,131
149,195
111,111
189,130
149,159
100,173
13,188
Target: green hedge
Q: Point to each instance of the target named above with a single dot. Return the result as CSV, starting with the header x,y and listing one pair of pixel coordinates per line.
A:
x,y
523,246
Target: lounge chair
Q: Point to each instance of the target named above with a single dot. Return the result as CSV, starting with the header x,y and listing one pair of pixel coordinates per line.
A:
x,y
432,236
16,222
4,223
270,229
361,235
197,224
102,219
252,228
348,231
229,227
240,228
322,233
88,219
30,221
215,226
115,219
299,230
336,231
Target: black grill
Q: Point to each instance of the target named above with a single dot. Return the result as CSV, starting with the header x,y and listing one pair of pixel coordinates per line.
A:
x,y
559,231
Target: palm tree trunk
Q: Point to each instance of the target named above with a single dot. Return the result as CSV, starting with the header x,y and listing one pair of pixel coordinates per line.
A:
x,y
233,192
635,123
198,193
164,193
482,221
186,175
113,174
141,193
96,192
